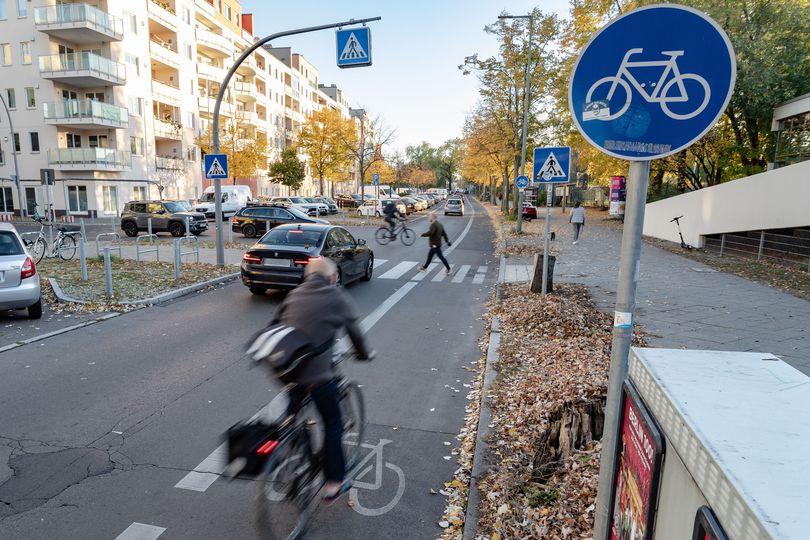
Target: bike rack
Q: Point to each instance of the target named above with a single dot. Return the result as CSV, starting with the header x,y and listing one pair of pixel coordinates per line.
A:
x,y
154,240
113,236
195,251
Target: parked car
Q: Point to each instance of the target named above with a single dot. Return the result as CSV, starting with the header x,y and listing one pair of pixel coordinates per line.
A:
x,y
376,208
454,205
19,282
424,200
300,203
279,258
410,204
321,206
347,201
233,198
253,221
330,203
529,211
167,216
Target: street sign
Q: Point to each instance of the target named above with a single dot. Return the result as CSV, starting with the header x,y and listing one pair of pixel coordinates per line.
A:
x,y
353,47
215,166
46,176
652,82
522,182
376,179
551,165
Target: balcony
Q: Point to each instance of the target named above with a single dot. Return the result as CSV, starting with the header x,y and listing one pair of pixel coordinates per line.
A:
x,y
168,130
249,117
245,91
83,69
90,159
248,66
163,52
162,13
166,93
213,43
169,163
206,106
85,113
210,72
78,23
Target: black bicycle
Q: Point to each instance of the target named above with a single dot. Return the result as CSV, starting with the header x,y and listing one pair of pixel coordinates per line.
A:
x,y
384,234
292,478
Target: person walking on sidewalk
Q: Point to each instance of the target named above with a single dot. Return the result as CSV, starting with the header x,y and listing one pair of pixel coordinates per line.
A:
x,y
435,234
577,219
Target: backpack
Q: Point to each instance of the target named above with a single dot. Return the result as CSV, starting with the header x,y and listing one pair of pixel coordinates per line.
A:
x,y
284,350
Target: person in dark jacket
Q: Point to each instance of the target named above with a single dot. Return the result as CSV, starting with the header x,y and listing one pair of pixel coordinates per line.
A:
x,y
391,214
320,310
435,234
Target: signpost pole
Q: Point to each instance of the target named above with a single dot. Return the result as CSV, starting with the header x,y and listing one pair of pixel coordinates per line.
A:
x,y
547,242
622,338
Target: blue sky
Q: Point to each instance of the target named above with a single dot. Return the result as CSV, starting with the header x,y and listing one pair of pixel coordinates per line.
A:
x,y
416,48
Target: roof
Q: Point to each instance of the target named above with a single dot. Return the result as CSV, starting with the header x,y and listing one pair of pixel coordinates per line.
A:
x,y
7,227
305,226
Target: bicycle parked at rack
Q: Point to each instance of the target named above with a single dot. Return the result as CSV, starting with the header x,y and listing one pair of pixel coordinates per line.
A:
x,y
384,234
64,245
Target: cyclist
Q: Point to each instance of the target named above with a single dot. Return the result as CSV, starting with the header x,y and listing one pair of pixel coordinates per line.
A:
x,y
320,310
391,214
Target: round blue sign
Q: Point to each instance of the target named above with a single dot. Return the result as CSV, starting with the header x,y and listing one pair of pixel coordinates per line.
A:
x,y
522,182
652,82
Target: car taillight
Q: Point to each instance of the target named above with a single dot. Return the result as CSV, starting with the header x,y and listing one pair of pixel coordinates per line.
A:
x,y
307,260
251,258
29,269
267,448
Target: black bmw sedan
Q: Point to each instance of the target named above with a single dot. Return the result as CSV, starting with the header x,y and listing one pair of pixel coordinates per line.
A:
x,y
278,259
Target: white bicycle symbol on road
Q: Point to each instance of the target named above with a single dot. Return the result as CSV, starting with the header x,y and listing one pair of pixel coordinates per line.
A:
x,y
659,92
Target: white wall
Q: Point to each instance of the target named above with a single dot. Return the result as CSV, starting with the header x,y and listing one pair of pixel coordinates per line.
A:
x,y
771,200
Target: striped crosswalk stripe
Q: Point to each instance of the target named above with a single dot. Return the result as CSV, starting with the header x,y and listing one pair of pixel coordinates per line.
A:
x,y
422,275
461,274
480,275
379,262
441,275
397,271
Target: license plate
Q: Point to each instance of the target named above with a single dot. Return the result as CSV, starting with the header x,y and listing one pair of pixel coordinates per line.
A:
x,y
282,263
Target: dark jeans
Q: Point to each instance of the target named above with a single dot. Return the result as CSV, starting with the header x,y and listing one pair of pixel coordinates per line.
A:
x,y
577,229
325,397
391,223
437,251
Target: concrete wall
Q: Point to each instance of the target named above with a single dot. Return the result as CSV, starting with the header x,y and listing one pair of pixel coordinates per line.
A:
x,y
771,200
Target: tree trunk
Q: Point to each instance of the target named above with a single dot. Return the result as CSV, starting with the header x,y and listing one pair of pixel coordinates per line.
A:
x,y
505,192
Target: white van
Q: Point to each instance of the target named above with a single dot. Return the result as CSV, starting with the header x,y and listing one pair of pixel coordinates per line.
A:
x,y
233,198
386,192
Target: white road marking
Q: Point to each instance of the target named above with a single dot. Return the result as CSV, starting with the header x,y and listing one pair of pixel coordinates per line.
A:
x,y
375,316
461,236
399,270
379,262
422,275
480,275
140,531
207,472
441,275
461,274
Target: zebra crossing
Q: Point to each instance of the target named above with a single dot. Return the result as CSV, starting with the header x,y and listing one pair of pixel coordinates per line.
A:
x,y
435,272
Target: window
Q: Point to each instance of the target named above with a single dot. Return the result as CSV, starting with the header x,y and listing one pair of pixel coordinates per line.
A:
x,y
16,143
130,22
186,15
25,52
73,140
136,146
30,98
97,141
11,98
5,50
132,60
34,141
135,106
192,120
22,8
2,156
95,96
191,153
77,198
109,199
3,14
189,55
139,194
6,203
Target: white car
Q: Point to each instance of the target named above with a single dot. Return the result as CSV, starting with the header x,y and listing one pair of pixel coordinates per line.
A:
x,y
301,203
373,207
19,281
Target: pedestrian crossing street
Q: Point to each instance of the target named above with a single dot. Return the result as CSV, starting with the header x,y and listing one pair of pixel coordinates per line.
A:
x,y
434,273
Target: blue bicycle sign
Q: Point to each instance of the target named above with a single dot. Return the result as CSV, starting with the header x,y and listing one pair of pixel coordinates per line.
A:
x,y
652,82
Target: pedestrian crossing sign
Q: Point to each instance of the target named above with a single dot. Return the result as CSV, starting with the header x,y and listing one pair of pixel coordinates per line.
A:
x,y
354,47
215,166
551,165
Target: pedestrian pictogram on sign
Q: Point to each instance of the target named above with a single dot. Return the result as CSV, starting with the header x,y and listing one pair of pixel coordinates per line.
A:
x,y
216,166
353,50
354,47
551,165
551,168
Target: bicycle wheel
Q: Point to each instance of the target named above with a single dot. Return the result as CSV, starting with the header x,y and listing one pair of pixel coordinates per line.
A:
x,y
353,409
37,249
289,489
382,236
407,236
67,248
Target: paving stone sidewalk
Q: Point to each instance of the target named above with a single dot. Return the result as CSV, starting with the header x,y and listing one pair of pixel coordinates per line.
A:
x,y
682,303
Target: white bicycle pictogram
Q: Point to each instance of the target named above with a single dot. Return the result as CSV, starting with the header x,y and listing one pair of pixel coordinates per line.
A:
x,y
659,93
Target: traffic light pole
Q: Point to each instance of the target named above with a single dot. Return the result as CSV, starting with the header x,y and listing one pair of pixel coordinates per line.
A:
x,y
221,95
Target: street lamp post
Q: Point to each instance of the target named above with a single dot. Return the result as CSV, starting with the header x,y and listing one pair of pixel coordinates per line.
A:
x,y
14,155
526,89
221,94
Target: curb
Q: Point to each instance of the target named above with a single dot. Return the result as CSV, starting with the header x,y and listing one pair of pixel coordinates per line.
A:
x,y
480,459
57,332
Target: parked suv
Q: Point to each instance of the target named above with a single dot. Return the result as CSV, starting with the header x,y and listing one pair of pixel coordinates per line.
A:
x,y
253,221
168,216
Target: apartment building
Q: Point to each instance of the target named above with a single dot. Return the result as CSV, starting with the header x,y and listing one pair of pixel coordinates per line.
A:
x,y
117,97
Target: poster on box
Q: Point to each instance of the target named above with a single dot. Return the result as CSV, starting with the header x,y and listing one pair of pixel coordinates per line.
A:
x,y
637,472
618,195
706,526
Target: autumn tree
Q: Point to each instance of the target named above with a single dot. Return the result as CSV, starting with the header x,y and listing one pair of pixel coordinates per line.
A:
x,y
365,144
322,140
288,170
246,154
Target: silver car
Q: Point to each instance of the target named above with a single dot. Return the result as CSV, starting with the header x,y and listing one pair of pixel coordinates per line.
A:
x,y
454,205
19,281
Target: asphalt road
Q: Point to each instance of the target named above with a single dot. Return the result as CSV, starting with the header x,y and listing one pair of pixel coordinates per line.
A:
x,y
101,424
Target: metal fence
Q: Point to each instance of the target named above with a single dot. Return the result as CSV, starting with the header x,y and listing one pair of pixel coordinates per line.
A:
x,y
792,250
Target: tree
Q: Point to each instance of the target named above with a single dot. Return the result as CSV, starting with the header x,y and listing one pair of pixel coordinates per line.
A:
x,y
246,155
420,177
321,138
447,162
288,171
386,172
364,144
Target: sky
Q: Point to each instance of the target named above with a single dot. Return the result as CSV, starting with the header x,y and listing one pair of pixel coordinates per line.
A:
x,y
414,82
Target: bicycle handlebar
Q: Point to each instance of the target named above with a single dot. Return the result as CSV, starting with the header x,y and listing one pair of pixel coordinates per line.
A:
x,y
675,219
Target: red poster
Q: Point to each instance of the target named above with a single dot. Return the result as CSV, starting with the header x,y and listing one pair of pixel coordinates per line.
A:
x,y
638,470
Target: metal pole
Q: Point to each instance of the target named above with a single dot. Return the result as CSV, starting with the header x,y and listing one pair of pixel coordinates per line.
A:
x,y
547,241
177,261
188,226
722,244
761,244
20,195
149,226
83,257
50,214
220,96
526,88
629,266
230,230
108,272
81,227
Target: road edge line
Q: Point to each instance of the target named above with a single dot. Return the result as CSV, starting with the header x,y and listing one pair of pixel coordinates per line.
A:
x,y
60,331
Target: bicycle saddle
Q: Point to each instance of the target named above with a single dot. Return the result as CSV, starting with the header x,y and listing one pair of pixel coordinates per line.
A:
x,y
673,54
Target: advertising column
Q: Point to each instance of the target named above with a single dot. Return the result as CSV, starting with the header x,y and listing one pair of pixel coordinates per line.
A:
x,y
618,195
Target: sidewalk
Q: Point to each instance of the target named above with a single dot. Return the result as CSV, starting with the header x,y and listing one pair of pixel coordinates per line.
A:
x,y
207,255
680,302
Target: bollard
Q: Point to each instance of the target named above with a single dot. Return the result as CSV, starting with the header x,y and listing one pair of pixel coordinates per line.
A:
x,y
112,224
230,230
81,227
108,272
188,226
149,226
177,261
83,258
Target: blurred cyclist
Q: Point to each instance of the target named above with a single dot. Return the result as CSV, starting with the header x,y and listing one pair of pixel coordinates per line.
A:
x,y
391,214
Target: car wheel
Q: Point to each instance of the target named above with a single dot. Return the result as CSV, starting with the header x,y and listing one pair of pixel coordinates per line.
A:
x,y
254,289
369,269
177,229
130,228
35,310
249,231
377,214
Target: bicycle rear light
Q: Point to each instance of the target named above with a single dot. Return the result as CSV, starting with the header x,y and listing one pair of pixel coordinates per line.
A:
x,y
267,448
